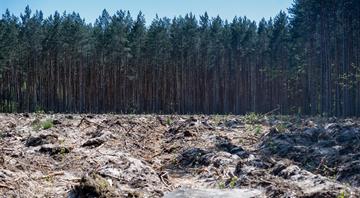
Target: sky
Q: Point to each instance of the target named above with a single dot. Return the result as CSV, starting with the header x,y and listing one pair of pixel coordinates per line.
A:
x,y
91,9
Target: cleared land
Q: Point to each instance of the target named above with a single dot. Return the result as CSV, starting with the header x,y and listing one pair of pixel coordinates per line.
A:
x,y
159,155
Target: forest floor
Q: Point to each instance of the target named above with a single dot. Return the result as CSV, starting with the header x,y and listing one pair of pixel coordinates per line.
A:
x,y
80,155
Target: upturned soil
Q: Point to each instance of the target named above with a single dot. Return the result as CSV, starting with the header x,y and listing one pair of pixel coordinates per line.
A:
x,y
78,155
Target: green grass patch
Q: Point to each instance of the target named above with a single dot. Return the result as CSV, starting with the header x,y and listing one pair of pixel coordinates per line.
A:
x,y
168,121
222,185
47,124
233,181
343,195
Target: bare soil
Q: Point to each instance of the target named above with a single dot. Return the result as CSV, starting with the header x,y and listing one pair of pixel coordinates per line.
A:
x,y
63,155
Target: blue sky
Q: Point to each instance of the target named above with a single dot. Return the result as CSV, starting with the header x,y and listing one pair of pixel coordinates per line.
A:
x,y
91,9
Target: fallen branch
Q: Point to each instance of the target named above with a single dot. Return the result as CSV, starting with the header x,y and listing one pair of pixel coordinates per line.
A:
x,y
272,111
5,186
250,138
52,175
162,179
7,149
88,122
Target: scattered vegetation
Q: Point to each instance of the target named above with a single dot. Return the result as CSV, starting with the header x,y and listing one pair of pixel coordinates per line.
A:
x,y
49,178
233,181
281,127
252,118
217,119
168,121
343,194
47,124
254,128
63,149
103,184
222,185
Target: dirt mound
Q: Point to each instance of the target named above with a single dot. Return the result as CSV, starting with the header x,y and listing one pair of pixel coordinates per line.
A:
x,y
330,149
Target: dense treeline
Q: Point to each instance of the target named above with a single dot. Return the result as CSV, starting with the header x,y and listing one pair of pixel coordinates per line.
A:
x,y
307,62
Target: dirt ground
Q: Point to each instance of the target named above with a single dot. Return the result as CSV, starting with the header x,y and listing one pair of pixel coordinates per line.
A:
x,y
76,155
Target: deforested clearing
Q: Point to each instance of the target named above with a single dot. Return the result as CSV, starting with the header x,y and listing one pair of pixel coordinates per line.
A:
x,y
176,155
